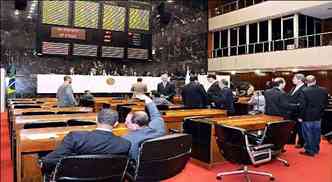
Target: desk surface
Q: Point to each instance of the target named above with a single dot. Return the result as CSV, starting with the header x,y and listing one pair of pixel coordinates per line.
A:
x,y
20,121
251,122
45,139
53,109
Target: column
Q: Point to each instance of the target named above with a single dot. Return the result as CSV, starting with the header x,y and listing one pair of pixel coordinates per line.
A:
x,y
296,30
270,34
229,41
247,38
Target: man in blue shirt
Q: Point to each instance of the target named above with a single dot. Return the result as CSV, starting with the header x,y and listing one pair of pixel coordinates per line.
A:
x,y
141,128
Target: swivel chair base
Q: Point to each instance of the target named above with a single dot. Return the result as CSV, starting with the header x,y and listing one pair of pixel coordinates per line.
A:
x,y
285,162
245,171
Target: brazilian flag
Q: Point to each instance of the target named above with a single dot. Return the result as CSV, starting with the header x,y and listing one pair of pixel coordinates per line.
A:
x,y
11,74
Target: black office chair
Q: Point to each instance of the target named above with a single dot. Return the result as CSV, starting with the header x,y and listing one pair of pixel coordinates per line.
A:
x,y
26,106
71,112
87,103
91,168
163,107
37,113
44,125
278,134
123,110
75,122
161,158
235,147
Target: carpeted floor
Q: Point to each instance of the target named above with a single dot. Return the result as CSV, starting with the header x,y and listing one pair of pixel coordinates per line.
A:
x,y
302,168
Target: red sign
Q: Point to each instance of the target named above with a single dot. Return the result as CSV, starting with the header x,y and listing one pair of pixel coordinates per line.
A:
x,y
68,33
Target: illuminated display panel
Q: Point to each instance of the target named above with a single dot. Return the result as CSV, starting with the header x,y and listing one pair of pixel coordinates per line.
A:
x,y
55,48
86,14
85,50
114,18
139,19
55,12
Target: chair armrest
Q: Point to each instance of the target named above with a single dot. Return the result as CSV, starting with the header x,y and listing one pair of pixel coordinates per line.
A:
x,y
262,147
172,130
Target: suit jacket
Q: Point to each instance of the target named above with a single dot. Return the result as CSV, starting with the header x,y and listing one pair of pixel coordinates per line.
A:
x,y
65,96
155,129
139,88
87,142
277,103
168,91
316,99
227,100
214,93
297,98
194,95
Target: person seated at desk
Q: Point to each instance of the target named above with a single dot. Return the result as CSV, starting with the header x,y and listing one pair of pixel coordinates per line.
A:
x,y
258,102
100,141
65,94
194,95
139,87
141,128
87,99
159,100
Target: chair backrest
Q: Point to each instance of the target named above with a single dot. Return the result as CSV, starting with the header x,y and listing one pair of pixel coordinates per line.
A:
x,y
87,103
37,113
200,130
91,168
71,112
163,107
163,157
123,110
232,143
44,125
278,133
25,106
75,122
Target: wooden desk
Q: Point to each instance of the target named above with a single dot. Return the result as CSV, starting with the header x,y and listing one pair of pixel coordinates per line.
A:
x,y
17,112
33,141
205,151
20,121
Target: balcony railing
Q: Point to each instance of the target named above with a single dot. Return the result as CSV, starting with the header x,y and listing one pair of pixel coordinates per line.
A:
x,y
232,6
314,40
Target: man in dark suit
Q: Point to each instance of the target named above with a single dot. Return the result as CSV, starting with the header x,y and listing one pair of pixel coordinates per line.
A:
x,y
227,99
296,96
166,89
193,94
316,99
214,91
100,141
276,101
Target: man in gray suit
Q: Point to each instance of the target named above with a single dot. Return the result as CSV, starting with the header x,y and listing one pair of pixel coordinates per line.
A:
x,y
65,94
141,128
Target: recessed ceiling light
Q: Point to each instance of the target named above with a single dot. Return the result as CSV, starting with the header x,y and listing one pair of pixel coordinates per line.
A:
x,y
16,12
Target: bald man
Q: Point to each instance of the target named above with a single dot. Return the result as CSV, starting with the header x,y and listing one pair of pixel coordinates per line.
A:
x,y
316,99
141,128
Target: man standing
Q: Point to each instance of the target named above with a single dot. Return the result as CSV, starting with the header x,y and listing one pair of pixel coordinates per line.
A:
x,y
194,94
139,87
316,99
227,100
214,91
166,89
100,141
65,94
296,96
276,101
